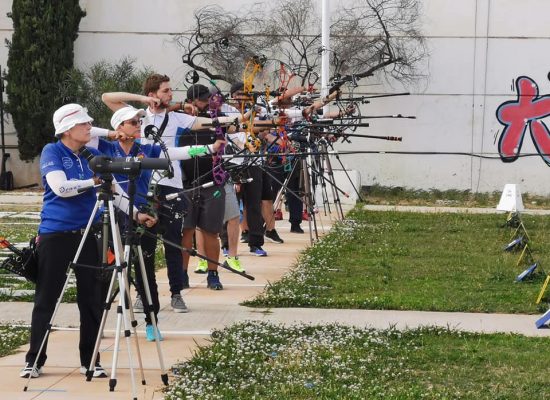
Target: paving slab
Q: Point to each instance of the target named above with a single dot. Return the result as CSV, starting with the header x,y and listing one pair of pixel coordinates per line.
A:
x,y
182,332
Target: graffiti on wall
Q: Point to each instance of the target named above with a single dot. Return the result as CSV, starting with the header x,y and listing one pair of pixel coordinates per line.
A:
x,y
526,112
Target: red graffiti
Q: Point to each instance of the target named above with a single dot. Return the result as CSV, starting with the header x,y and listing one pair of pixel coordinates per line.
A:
x,y
517,115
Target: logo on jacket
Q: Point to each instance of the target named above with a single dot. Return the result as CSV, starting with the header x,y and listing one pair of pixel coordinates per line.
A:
x,y
67,162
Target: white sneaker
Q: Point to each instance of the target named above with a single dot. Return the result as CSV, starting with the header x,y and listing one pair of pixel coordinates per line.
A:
x,y
99,372
30,371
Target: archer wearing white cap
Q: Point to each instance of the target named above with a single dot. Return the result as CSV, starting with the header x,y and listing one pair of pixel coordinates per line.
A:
x,y
126,122
64,214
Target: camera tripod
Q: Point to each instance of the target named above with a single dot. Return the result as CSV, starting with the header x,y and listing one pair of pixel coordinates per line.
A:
x,y
309,174
109,225
124,306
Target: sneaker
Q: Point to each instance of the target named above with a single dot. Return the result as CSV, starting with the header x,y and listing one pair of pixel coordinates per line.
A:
x,y
235,263
178,305
150,333
305,216
278,215
202,267
244,237
138,305
258,251
99,372
273,236
225,251
213,281
296,228
30,371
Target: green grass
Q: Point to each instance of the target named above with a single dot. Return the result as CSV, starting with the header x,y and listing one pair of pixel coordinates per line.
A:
x,y
11,338
17,230
452,198
265,361
415,261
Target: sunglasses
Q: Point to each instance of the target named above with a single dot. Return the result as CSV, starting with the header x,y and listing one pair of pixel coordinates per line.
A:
x,y
133,122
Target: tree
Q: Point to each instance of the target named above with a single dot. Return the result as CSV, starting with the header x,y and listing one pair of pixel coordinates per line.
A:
x,y
379,36
40,54
368,37
221,41
86,87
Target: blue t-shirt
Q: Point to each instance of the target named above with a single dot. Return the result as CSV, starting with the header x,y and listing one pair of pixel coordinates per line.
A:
x,y
65,213
113,149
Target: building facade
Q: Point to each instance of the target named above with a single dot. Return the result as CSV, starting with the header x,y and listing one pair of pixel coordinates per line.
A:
x,y
477,51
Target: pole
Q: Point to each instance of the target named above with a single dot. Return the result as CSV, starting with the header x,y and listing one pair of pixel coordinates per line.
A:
x,y
2,113
325,45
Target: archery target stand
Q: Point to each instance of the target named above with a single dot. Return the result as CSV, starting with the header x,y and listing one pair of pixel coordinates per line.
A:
x,y
511,202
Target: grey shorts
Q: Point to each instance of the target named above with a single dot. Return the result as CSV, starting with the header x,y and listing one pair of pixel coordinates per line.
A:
x,y
231,203
205,209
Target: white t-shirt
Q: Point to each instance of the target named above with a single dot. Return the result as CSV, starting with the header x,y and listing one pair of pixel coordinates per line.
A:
x,y
170,137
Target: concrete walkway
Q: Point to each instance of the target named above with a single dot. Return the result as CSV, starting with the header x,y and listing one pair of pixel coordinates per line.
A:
x,y
208,310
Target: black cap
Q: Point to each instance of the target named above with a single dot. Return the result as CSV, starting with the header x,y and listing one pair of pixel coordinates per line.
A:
x,y
198,92
236,87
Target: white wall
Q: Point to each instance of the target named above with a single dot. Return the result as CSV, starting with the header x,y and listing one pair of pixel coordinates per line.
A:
x,y
477,48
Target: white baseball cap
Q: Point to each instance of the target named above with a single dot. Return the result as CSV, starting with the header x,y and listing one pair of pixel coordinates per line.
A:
x,y
68,116
124,114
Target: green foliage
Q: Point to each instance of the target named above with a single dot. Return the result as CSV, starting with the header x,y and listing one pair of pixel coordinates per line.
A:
x,y
40,53
86,87
397,195
11,338
416,261
259,360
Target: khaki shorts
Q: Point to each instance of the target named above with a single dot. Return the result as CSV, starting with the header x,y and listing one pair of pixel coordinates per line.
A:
x,y
231,203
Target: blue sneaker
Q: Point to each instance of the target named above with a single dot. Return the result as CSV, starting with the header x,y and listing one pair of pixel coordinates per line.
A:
x,y
213,280
225,251
258,251
150,332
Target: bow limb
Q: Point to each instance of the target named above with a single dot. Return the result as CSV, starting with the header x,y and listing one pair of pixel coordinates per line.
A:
x,y
214,104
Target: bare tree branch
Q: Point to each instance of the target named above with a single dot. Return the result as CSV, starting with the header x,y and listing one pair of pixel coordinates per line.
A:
x,y
371,37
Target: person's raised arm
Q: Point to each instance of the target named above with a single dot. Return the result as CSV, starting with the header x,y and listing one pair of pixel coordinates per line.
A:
x,y
117,100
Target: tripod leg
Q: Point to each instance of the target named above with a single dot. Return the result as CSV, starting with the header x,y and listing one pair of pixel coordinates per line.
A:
x,y
106,308
146,288
309,202
122,319
359,197
133,324
284,188
58,303
335,194
106,223
319,167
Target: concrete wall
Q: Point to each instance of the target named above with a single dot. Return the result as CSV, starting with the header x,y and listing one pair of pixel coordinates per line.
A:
x,y
477,48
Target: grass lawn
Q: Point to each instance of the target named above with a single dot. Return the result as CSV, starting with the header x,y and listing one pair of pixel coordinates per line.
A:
x,y
11,338
452,198
264,361
20,230
415,261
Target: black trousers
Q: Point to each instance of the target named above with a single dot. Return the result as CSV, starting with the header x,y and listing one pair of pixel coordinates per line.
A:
x,y
171,223
294,192
252,200
148,246
55,251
